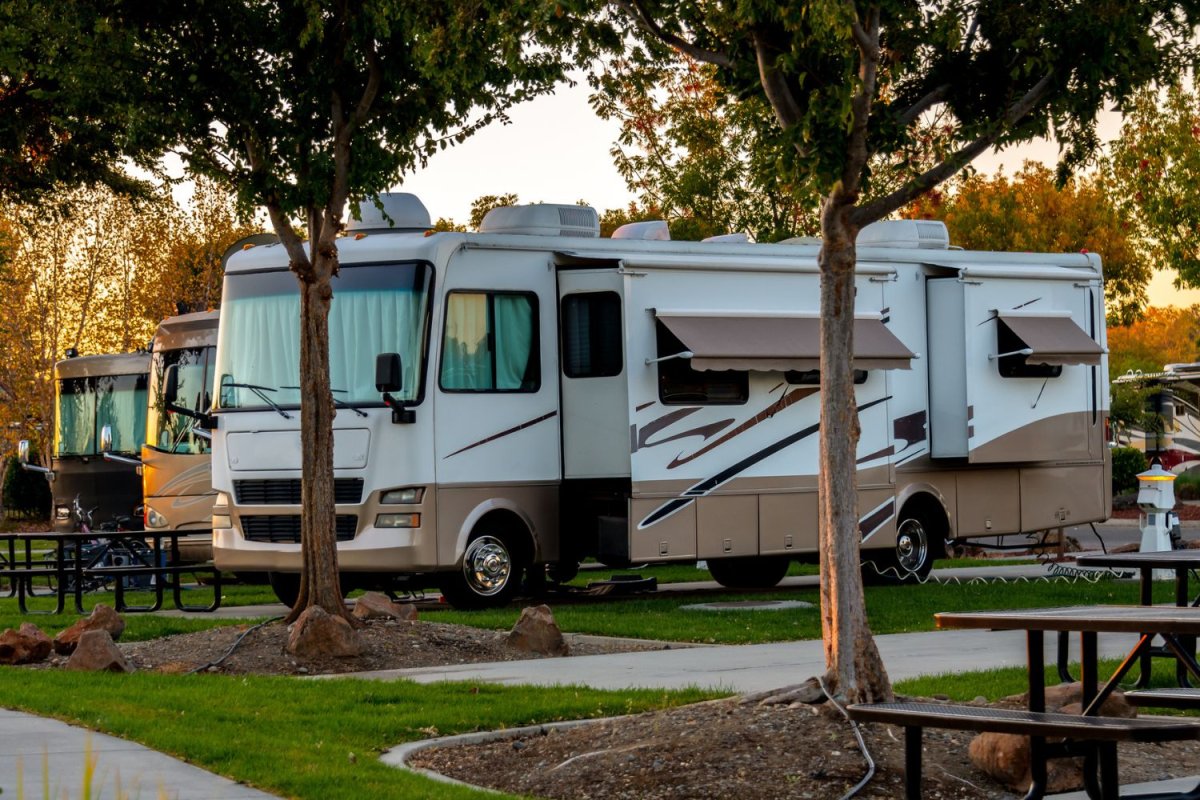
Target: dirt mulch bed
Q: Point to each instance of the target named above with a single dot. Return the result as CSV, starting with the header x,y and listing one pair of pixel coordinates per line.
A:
x,y
729,749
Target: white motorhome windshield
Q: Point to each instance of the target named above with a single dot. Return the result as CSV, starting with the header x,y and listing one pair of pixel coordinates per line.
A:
x,y
86,405
169,431
381,308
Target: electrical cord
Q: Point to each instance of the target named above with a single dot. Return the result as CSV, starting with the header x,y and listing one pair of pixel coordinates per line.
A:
x,y
862,745
233,646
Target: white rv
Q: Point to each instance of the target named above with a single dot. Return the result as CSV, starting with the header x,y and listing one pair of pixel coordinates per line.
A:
x,y
557,396
1174,397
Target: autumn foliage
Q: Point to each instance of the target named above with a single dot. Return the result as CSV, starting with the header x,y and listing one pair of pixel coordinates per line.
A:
x,y
1162,336
1029,212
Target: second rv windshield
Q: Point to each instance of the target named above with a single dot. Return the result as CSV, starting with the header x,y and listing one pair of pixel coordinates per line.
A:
x,y
86,405
172,432
376,309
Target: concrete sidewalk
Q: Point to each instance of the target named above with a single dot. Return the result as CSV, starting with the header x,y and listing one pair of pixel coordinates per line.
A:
x,y
32,748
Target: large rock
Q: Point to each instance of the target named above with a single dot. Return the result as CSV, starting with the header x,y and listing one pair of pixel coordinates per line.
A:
x,y
537,632
96,652
1005,756
374,605
103,618
316,632
28,645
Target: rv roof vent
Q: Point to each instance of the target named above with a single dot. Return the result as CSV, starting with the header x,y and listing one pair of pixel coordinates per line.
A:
x,y
655,229
924,234
805,240
543,219
729,238
405,213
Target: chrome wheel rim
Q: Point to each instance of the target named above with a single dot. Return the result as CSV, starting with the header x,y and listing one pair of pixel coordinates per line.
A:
x,y
487,566
912,545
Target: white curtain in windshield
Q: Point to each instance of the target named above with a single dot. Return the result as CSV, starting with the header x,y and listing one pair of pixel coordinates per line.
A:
x,y
76,430
363,324
264,346
123,408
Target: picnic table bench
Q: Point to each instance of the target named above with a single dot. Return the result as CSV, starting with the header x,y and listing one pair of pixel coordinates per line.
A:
x,y
1093,737
72,570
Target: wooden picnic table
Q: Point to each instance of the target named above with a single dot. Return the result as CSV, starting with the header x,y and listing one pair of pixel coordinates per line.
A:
x,y
80,560
1174,624
1179,562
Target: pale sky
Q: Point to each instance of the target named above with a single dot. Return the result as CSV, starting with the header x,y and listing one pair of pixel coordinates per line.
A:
x,y
556,150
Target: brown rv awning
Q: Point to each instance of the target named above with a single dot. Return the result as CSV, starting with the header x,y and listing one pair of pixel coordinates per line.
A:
x,y
1055,340
777,344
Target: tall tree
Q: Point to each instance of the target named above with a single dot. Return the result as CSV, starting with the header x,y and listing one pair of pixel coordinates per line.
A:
x,y
1031,212
1154,166
705,162
304,107
851,79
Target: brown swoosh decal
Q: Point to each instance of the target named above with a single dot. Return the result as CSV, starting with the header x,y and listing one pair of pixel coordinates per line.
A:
x,y
909,428
502,434
644,405
788,399
641,436
887,451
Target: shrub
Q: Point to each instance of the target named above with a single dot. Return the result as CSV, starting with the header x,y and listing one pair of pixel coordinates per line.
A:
x,y
1127,462
25,493
1187,486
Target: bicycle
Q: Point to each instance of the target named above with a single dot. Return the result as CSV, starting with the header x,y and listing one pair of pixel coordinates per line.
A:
x,y
103,551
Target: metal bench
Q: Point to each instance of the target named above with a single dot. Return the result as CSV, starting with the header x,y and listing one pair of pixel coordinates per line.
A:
x,y
1093,737
1186,698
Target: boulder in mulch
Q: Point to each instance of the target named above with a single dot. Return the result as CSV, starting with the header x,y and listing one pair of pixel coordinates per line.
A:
x,y
103,618
28,645
96,652
1005,756
316,632
537,632
375,605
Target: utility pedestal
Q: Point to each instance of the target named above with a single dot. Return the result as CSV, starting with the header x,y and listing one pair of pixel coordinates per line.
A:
x,y
1156,498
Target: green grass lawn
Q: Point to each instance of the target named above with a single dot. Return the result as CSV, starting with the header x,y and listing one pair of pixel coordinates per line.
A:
x,y
890,609
317,740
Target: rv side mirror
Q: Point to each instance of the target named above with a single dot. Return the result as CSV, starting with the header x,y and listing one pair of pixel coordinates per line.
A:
x,y
388,373
106,439
23,451
389,378
171,385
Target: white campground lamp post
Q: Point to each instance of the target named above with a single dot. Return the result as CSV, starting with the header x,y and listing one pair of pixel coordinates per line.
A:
x,y
1156,498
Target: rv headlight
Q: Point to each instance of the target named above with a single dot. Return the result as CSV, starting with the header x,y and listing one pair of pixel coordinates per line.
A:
x,y
222,499
221,521
410,495
398,521
155,519
62,512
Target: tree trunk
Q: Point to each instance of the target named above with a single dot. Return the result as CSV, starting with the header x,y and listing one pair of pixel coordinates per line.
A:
x,y
854,669
319,582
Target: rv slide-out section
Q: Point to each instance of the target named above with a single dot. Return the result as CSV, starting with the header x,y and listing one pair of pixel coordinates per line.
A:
x,y
555,396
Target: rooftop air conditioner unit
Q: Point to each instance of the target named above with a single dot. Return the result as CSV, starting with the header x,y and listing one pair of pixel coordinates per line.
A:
x,y
401,213
544,219
917,234
651,230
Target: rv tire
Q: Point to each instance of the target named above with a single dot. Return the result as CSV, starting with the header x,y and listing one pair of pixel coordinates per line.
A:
x,y
911,559
286,586
490,574
749,572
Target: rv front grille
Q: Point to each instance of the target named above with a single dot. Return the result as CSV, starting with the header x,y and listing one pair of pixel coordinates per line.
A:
x,y
285,528
286,491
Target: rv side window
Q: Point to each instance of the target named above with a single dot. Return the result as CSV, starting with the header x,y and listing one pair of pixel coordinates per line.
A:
x,y
679,384
1015,366
591,335
491,343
